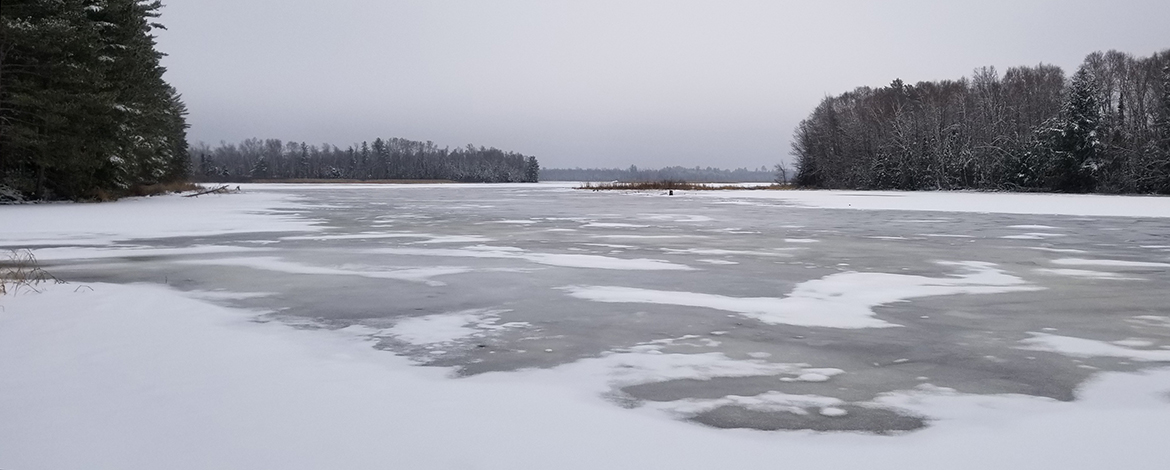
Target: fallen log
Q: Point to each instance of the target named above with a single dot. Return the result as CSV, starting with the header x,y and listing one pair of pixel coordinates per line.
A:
x,y
220,190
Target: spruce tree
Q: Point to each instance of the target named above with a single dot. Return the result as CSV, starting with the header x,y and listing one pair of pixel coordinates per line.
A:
x,y
84,110
1077,147
531,170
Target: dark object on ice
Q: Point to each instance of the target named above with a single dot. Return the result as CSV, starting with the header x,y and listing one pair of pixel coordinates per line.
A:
x,y
671,192
220,190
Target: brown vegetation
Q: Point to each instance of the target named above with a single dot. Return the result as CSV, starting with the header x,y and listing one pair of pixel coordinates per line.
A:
x,y
104,195
20,271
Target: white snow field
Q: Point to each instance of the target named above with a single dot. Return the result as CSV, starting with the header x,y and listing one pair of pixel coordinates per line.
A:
x,y
153,217
293,327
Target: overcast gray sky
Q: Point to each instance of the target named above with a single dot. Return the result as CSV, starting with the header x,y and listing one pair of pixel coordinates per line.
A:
x,y
599,82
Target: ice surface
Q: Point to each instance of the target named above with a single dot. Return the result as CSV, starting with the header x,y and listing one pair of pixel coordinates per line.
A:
x,y
1081,347
569,260
203,387
1134,343
648,237
1087,274
1109,263
683,218
106,252
612,225
843,300
717,252
455,239
1056,250
1152,320
443,327
269,263
768,401
359,236
1033,236
91,366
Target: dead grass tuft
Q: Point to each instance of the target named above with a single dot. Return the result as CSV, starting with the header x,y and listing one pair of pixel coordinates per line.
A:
x,y
21,271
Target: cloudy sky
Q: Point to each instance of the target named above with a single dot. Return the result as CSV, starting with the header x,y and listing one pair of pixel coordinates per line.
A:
x,y
599,82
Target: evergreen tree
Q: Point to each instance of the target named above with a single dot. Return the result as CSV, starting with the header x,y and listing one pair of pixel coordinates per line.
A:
x,y
84,110
1076,156
380,158
531,170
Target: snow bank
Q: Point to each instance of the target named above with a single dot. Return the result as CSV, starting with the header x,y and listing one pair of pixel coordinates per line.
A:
x,y
140,377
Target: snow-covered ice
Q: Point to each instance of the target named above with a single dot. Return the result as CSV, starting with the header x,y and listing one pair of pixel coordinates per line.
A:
x,y
1081,347
270,263
151,217
444,327
1085,273
1109,263
143,377
284,338
844,300
552,259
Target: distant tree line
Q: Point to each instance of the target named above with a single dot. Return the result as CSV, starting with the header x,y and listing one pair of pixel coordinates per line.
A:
x,y
1107,129
84,110
673,173
393,158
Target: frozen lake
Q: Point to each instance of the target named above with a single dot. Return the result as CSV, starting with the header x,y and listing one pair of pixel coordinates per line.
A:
x,y
512,277
734,310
